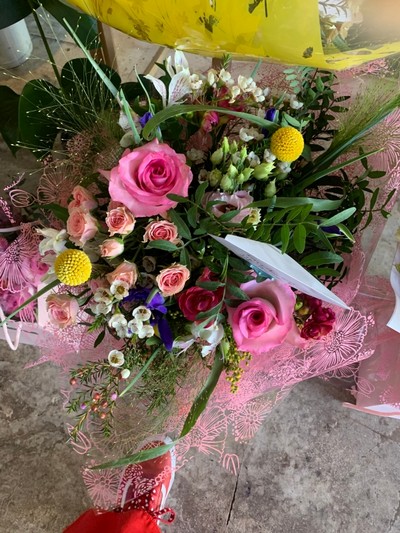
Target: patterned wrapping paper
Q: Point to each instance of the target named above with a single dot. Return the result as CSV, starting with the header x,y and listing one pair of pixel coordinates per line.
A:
x,y
334,34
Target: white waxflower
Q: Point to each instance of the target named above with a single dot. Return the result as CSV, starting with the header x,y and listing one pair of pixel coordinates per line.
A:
x,y
269,157
212,76
226,77
125,373
284,167
248,134
197,156
116,358
258,95
146,331
119,289
117,321
141,313
235,92
101,308
134,326
196,82
54,240
103,295
253,159
266,92
203,175
294,103
244,83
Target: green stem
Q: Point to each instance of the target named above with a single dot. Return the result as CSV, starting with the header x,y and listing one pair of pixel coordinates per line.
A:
x,y
141,372
46,43
30,300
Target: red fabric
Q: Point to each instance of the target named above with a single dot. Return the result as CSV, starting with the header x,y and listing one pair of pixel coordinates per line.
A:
x,y
136,521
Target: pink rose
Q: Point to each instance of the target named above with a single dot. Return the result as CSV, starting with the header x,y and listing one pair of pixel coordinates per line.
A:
x,y
111,248
171,280
81,226
126,272
230,202
266,320
120,220
82,198
161,230
197,300
210,119
315,330
145,176
62,309
98,283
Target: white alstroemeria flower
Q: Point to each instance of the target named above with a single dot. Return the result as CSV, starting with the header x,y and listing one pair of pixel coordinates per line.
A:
x,y
141,313
248,134
119,289
117,321
210,337
184,343
54,240
253,159
116,358
103,295
197,156
180,63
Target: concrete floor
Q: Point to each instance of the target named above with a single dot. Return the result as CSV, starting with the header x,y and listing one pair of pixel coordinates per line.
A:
x,y
314,467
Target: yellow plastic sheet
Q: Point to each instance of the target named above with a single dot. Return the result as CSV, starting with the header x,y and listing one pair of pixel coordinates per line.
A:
x,y
334,34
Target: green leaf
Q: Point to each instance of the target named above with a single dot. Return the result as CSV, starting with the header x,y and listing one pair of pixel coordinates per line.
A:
x,y
202,398
163,245
285,237
237,293
376,174
183,228
201,189
184,258
100,338
139,457
316,203
299,238
60,212
141,371
374,199
209,285
183,109
9,102
226,217
340,217
177,198
84,25
321,258
211,312
346,232
331,272
37,125
192,216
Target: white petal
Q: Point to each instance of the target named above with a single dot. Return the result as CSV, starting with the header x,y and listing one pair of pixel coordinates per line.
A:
x,y
179,87
159,87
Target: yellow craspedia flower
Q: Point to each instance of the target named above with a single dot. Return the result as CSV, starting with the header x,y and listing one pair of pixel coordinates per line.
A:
x,y
73,267
287,144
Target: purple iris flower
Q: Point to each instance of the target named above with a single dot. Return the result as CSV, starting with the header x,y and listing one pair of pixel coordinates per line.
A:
x,y
271,114
158,309
145,118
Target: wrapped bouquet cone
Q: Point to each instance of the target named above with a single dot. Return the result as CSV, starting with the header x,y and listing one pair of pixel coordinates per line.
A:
x,y
334,34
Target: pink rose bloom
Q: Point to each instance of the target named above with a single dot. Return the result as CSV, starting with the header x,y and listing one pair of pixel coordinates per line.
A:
x,y
37,268
126,272
120,220
172,280
98,283
266,320
62,309
231,202
161,230
145,176
111,248
210,119
3,244
82,198
81,226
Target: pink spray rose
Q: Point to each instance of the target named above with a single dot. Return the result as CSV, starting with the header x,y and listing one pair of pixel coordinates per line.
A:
x,y
82,198
126,272
120,220
210,119
3,244
145,176
230,202
81,226
266,320
111,248
62,309
171,280
161,230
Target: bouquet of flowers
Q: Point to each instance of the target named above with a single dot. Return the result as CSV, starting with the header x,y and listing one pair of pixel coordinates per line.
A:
x,y
133,217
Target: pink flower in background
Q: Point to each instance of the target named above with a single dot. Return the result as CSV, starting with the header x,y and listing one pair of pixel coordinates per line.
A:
x,y
111,248
146,175
230,202
172,280
264,321
9,301
81,226
82,198
62,309
210,119
38,268
161,230
126,272
120,220
3,244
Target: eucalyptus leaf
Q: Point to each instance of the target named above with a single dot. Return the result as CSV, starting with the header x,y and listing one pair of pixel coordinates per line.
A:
x,y
339,217
163,245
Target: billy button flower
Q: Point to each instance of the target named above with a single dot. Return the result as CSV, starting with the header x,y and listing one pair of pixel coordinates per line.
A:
x,y
287,144
73,267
